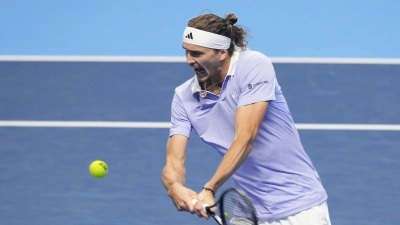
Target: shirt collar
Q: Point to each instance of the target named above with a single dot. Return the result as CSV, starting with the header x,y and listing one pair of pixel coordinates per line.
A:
x,y
231,71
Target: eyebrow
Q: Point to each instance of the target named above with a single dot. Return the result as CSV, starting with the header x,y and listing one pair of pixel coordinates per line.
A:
x,y
195,51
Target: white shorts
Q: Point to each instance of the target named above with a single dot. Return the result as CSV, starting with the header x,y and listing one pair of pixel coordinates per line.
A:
x,y
317,215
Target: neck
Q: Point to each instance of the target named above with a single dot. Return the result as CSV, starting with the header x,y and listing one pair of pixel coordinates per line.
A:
x,y
221,75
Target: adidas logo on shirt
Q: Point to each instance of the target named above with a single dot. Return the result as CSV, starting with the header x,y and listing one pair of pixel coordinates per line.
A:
x,y
189,36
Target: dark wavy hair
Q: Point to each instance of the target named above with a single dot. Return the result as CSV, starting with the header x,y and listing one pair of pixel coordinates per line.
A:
x,y
222,26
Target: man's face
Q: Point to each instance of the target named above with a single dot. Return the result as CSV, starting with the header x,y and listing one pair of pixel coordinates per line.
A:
x,y
206,62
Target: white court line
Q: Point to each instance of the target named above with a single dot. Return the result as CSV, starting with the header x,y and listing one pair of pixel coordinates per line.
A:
x,y
60,58
122,124
93,124
336,60
383,127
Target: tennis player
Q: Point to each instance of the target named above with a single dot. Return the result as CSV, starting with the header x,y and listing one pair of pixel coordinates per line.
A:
x,y
235,104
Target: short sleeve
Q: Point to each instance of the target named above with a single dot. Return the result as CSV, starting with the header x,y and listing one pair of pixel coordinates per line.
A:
x,y
179,118
256,78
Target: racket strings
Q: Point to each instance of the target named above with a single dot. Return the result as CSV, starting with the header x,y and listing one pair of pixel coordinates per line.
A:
x,y
236,210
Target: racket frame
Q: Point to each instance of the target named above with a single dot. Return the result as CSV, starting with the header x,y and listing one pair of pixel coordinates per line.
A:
x,y
221,219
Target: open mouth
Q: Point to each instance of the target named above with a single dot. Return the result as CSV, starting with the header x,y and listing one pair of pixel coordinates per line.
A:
x,y
200,71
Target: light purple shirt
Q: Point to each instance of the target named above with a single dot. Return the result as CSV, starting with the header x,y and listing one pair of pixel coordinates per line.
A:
x,y
277,175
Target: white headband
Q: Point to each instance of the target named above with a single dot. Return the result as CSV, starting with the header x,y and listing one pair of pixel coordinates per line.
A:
x,y
206,39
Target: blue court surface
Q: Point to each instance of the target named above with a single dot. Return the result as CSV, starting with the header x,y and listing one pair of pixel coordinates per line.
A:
x,y
44,169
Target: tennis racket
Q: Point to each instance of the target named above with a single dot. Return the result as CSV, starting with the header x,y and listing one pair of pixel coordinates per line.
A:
x,y
234,208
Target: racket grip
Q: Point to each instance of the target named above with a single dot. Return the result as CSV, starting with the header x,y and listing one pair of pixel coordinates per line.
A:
x,y
212,214
194,201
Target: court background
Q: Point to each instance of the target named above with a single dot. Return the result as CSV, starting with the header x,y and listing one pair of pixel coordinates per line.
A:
x,y
44,175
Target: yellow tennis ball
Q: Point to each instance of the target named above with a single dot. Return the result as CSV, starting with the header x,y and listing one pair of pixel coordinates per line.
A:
x,y
226,214
98,169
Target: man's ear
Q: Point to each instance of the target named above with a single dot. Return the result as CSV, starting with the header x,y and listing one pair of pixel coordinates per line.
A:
x,y
223,54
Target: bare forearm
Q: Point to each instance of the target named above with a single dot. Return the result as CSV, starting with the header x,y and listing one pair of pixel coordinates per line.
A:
x,y
172,175
232,160
248,120
174,171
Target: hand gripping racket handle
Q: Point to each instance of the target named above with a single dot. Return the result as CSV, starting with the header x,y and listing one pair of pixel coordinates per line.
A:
x,y
209,212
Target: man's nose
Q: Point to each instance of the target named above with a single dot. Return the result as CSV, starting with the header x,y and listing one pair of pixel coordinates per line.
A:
x,y
189,60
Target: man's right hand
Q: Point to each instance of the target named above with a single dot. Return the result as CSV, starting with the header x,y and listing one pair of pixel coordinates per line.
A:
x,y
182,197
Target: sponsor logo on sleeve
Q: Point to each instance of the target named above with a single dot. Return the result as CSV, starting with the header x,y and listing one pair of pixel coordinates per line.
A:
x,y
250,86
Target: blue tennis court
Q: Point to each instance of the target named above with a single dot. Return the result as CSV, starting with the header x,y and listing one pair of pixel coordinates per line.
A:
x,y
44,177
